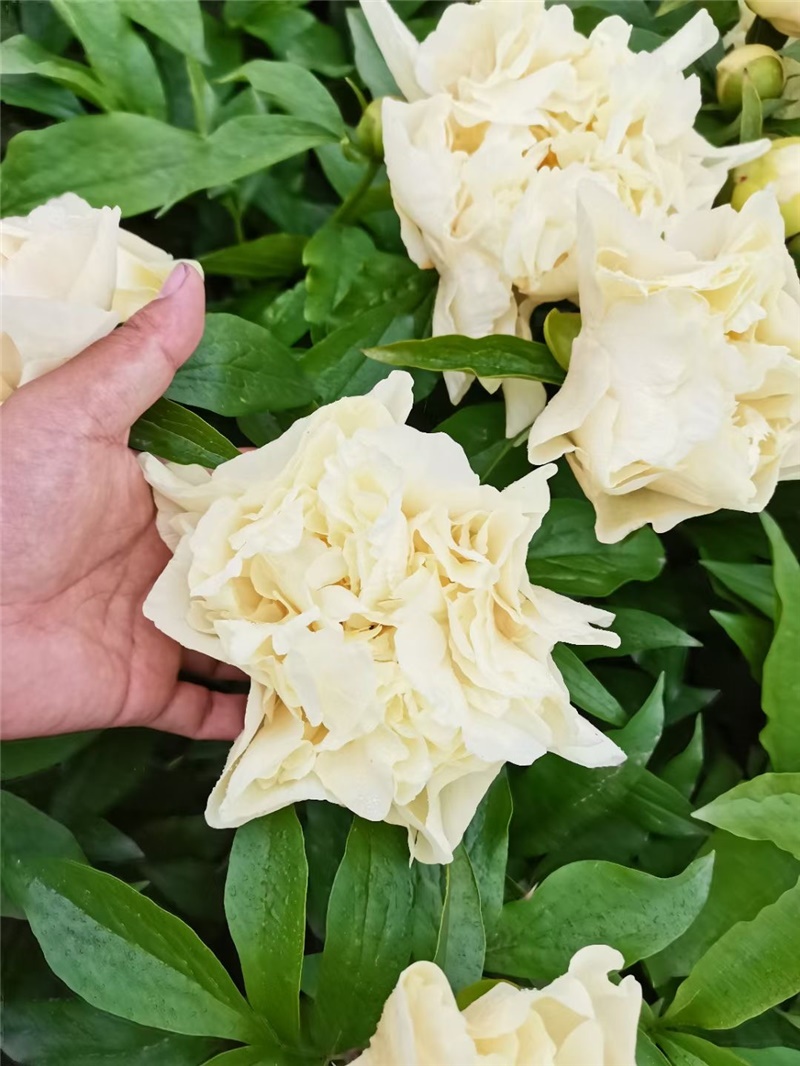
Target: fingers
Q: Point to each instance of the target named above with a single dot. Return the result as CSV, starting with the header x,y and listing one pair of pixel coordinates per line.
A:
x,y
116,379
197,712
204,667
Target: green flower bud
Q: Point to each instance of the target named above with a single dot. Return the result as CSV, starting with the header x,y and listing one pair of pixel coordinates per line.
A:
x,y
762,65
369,132
560,330
783,14
780,170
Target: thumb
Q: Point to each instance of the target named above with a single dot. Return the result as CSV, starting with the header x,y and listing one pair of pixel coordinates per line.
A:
x,y
117,378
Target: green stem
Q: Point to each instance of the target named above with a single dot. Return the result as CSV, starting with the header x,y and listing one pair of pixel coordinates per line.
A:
x,y
346,209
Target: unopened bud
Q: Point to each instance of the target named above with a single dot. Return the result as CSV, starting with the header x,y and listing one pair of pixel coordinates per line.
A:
x,y
761,64
783,14
560,330
369,131
779,170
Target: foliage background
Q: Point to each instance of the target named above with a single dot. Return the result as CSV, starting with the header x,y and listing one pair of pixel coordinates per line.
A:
x,y
170,110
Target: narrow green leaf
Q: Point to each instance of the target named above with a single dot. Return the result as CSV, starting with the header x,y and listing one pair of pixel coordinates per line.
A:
x,y
766,808
684,1049
265,904
752,120
23,757
565,556
462,941
370,64
27,833
684,768
585,690
640,631
752,967
335,362
333,256
278,255
20,55
104,773
239,368
119,951
595,903
260,1056
751,582
430,884
560,330
368,936
780,695
486,841
751,635
292,34
488,357
39,94
295,90
647,1054
179,24
140,163
171,432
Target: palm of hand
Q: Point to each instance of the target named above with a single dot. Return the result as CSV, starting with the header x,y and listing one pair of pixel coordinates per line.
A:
x,y
80,552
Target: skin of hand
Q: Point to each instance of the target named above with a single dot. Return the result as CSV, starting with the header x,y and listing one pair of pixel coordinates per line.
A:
x,y
79,550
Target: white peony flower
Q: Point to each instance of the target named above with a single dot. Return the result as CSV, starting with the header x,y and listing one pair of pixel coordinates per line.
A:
x,y
683,390
68,276
510,109
582,1017
377,595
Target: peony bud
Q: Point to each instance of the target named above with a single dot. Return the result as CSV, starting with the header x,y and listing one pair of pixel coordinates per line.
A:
x,y
762,65
778,169
369,131
783,14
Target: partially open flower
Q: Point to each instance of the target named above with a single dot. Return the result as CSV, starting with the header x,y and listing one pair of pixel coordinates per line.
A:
x,y
377,595
778,171
581,1017
783,14
761,64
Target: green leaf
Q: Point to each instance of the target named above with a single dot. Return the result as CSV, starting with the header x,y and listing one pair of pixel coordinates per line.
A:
x,y
260,1056
748,875
565,556
486,841
429,891
123,954
265,904
751,635
139,163
560,330
239,368
368,936
295,90
291,33
69,1032
336,364
487,357
23,757
180,25
752,967
585,690
334,255
751,582
462,941
595,903
647,1054
769,1056
326,830
640,631
278,255
370,64
171,432
28,833
766,808
20,55
684,768
780,695
752,120
39,94
105,772
118,55
687,1050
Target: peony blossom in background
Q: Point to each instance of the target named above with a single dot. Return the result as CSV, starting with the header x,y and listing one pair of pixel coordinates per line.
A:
x,y
68,275
508,110
582,1017
683,390
376,593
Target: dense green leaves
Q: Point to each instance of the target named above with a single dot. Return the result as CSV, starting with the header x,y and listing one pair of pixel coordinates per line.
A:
x,y
265,904
278,255
240,367
19,55
461,944
181,26
368,936
595,903
170,431
781,691
123,954
141,163
295,90
565,555
489,357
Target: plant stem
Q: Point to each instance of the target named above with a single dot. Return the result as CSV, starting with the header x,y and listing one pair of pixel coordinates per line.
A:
x,y
344,212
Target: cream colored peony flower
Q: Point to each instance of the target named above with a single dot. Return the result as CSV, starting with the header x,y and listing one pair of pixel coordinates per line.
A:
x,y
68,276
376,594
683,390
580,1018
510,109
783,14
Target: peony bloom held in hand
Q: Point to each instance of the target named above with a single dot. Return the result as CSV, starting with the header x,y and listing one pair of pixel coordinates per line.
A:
x,y
377,595
683,390
581,1017
68,274
509,110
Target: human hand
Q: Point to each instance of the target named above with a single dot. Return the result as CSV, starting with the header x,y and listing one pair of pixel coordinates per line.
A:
x,y
80,550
